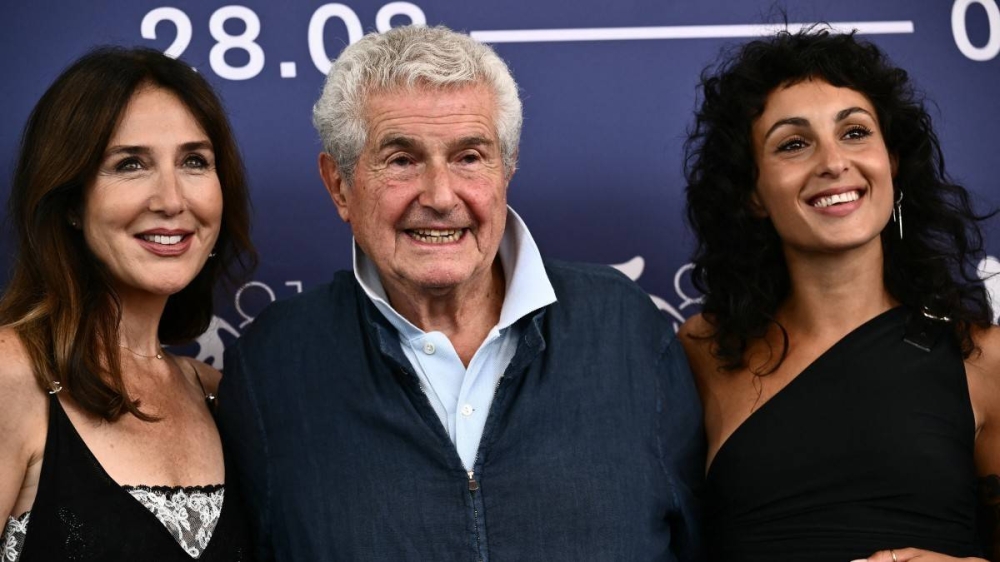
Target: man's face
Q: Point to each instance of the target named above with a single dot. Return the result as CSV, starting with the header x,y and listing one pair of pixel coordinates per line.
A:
x,y
428,203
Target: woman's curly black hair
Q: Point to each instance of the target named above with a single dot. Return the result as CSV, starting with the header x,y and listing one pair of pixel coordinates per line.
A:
x,y
739,265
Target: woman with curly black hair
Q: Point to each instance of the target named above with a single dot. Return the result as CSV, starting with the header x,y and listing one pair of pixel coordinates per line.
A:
x,y
848,369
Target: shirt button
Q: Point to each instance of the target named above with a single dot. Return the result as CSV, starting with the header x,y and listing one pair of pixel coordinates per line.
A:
x,y
429,348
467,410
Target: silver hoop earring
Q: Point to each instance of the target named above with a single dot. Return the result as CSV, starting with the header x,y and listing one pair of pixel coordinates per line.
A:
x,y
897,213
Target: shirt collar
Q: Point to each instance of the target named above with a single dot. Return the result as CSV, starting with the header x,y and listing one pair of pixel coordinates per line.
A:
x,y
528,286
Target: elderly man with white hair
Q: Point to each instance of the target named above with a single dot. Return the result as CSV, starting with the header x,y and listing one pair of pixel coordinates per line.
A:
x,y
456,397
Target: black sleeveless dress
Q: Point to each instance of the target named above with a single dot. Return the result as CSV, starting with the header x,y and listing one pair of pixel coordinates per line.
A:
x,y
81,514
869,448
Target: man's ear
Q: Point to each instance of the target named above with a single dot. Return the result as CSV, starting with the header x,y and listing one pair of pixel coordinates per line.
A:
x,y
513,168
335,184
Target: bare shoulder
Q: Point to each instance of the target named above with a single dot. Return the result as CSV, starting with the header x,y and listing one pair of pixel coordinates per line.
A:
x,y
983,364
22,397
696,334
208,375
695,331
988,356
696,337
982,369
23,423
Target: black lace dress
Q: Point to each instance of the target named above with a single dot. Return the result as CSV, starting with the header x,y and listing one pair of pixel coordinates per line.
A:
x,y
81,514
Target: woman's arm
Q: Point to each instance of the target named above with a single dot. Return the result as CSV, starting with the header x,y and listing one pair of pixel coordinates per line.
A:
x,y
983,370
23,423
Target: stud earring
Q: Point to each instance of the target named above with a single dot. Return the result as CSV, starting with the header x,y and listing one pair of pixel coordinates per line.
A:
x,y
56,387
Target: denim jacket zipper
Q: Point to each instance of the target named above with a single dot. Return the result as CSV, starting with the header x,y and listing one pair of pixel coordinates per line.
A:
x,y
473,484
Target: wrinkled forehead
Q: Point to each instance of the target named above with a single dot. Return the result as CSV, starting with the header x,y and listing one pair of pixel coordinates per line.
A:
x,y
455,104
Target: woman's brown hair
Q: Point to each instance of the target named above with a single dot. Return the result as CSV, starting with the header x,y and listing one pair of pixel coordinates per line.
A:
x,y
60,300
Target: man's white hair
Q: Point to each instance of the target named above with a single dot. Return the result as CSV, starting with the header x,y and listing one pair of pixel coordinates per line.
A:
x,y
402,58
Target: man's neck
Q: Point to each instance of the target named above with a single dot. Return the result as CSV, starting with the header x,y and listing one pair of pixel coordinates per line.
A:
x,y
464,314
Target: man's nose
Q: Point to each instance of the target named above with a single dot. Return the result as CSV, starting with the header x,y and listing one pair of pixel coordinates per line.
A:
x,y
438,188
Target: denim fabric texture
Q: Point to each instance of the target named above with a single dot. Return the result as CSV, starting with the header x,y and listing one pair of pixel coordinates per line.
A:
x,y
593,448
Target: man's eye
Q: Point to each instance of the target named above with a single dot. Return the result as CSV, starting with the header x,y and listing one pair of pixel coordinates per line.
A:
x,y
401,161
470,158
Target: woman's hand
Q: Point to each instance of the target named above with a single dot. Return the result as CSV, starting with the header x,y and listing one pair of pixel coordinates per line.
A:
x,y
905,554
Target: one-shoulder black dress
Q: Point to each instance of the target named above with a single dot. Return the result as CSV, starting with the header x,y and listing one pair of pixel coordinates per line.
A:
x,y
869,448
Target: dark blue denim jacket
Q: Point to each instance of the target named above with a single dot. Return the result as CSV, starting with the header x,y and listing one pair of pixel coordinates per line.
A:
x,y
593,448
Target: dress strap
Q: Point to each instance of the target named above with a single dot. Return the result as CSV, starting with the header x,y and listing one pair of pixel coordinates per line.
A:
x,y
923,329
209,397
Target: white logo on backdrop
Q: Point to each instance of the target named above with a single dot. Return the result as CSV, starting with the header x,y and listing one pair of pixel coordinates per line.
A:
x,y
633,269
988,268
212,344
989,272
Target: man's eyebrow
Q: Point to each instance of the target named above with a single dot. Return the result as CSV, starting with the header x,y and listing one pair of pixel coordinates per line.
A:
x,y
397,141
474,140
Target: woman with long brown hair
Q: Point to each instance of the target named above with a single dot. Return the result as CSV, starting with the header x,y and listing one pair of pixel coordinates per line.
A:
x,y
129,203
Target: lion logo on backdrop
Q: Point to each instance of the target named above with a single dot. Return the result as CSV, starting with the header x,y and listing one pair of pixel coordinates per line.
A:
x,y
210,344
633,269
988,269
248,302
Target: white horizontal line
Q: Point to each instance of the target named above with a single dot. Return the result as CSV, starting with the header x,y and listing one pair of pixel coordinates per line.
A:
x,y
678,32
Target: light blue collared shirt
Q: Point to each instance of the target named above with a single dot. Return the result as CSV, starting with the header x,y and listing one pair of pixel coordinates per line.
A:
x,y
462,397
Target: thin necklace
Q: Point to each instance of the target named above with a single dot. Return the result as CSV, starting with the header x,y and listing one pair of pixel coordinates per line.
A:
x,y
159,353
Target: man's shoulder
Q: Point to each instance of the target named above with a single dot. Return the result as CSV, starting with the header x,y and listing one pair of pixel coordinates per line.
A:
x,y
599,297
586,291
317,305
569,278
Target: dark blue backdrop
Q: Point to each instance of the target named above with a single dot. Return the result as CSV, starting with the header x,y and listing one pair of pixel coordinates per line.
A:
x,y
600,171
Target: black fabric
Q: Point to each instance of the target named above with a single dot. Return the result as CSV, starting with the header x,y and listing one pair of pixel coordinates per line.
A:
x,y
81,514
869,448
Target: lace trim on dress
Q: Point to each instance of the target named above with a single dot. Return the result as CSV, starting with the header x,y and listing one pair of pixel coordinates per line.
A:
x,y
12,538
189,513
